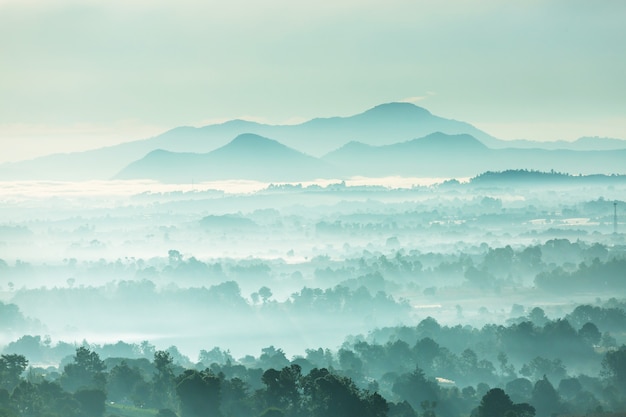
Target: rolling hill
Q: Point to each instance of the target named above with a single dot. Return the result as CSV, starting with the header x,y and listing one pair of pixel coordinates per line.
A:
x,y
382,125
388,129
442,155
253,157
248,156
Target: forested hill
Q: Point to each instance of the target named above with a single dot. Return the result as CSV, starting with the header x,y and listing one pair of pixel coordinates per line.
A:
x,y
538,177
534,366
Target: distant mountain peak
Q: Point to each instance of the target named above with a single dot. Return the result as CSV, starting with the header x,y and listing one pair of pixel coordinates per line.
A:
x,y
596,142
158,154
458,138
248,156
239,123
253,141
397,109
356,143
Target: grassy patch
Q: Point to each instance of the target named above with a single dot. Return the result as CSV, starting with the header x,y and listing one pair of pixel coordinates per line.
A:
x,y
129,411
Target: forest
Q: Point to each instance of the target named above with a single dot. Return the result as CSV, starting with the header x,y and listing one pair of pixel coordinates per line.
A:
x,y
499,295
394,371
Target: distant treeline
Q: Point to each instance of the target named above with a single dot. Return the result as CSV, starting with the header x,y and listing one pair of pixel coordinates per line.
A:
x,y
530,176
610,275
552,264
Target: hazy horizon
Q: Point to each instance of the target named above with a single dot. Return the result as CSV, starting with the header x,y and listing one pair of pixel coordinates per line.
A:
x,y
374,245
79,76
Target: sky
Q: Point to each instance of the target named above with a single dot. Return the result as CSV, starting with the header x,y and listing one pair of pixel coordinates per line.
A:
x,y
81,74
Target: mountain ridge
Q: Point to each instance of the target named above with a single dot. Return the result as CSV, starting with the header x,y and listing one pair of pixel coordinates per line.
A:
x,y
252,157
315,137
462,155
246,157
385,124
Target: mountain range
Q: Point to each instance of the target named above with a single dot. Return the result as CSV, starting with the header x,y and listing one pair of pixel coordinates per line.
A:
x,y
254,157
442,155
389,139
248,156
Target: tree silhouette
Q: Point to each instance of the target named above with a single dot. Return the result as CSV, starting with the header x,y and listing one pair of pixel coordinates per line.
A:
x,y
265,293
614,366
163,380
416,388
11,368
282,387
199,394
86,371
92,402
496,403
545,398
122,381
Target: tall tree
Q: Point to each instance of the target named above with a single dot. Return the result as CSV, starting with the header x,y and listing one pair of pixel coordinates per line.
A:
x,y
614,366
199,394
122,381
416,388
163,384
283,387
496,403
11,368
545,398
85,371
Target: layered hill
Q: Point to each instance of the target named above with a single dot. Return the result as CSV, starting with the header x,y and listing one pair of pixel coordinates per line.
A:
x,y
585,143
391,127
437,154
442,155
382,125
253,157
248,156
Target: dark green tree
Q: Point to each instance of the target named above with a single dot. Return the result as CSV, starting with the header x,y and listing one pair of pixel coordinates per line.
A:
x,y
545,398
234,396
56,401
335,396
121,381
569,388
199,394
44,399
11,368
614,366
27,400
401,409
92,402
496,403
163,384
520,389
86,371
6,408
614,369
590,333
273,358
282,387
416,388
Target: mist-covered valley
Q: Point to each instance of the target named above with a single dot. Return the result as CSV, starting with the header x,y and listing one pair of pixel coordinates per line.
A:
x,y
477,283
312,209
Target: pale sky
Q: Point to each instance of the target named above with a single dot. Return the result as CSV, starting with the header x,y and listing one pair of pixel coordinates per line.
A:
x,y
79,74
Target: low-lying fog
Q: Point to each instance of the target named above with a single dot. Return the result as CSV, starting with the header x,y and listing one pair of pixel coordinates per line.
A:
x,y
244,265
